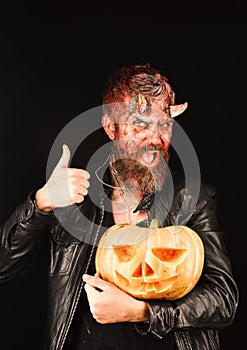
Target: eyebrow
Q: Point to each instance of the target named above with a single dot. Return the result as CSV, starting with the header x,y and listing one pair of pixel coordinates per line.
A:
x,y
141,118
147,119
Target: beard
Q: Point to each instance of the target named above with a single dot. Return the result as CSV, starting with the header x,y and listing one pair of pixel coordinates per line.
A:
x,y
130,173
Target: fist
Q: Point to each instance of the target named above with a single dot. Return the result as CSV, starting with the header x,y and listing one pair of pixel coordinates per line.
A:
x,y
65,186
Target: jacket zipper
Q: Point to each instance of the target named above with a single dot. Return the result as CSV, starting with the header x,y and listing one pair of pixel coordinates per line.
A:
x,y
182,340
186,340
212,340
82,283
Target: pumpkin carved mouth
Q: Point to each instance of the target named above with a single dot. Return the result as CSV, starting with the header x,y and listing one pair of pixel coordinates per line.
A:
x,y
145,287
151,263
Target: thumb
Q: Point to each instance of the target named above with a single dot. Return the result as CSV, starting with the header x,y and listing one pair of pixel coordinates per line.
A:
x,y
64,160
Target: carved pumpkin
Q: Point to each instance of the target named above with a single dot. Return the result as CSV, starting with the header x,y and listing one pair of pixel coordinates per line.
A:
x,y
151,263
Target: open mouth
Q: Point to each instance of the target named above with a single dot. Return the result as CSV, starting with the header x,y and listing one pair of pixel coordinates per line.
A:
x,y
149,158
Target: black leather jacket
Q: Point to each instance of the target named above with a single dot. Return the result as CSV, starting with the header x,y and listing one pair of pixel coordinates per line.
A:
x,y
196,318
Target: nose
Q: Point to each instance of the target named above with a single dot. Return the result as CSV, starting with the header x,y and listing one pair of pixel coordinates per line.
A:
x,y
154,136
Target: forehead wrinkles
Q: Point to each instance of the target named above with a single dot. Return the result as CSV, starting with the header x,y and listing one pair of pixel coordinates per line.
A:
x,y
139,104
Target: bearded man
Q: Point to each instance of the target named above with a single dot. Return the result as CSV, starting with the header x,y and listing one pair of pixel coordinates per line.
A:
x,y
86,312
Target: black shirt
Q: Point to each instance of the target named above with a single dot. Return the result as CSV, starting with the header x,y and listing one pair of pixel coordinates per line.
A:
x,y
87,334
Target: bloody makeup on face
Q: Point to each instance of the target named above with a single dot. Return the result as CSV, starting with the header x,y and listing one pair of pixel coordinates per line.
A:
x,y
141,148
143,135
139,107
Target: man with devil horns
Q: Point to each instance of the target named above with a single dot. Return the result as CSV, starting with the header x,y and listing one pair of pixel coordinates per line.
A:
x,y
86,312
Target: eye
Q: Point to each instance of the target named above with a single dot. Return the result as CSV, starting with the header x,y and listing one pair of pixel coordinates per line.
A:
x,y
165,124
140,124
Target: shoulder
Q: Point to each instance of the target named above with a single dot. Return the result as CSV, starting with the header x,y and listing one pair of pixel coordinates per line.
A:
x,y
192,186
192,195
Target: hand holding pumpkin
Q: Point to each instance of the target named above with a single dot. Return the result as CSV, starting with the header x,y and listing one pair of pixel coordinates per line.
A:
x,y
112,305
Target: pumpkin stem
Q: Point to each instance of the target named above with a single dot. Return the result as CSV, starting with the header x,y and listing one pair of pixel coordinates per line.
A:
x,y
154,224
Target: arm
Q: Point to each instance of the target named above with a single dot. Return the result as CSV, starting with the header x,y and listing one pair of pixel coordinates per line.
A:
x,y
214,300
19,236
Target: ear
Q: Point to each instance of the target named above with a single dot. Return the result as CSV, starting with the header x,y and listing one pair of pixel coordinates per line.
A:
x,y
109,126
178,109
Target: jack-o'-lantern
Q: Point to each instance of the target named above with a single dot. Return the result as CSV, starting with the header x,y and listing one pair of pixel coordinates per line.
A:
x,y
151,263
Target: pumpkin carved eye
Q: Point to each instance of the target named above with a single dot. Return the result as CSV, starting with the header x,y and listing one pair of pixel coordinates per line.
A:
x,y
151,263
169,254
124,253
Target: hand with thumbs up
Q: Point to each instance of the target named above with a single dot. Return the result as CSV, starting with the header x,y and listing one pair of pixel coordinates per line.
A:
x,y
65,186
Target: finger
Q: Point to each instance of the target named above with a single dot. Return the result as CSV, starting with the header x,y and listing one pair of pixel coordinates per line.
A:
x,y
92,293
77,183
77,190
64,160
79,173
78,198
96,282
82,191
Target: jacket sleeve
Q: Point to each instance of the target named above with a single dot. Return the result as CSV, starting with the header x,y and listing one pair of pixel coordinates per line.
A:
x,y
214,300
19,236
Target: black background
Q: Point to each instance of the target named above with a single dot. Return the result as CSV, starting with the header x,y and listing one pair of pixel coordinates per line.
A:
x,y
55,57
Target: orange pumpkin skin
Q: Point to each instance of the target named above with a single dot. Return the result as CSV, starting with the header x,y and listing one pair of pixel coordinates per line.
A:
x,y
151,263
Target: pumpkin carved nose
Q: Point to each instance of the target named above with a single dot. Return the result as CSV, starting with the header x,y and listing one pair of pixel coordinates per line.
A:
x,y
143,270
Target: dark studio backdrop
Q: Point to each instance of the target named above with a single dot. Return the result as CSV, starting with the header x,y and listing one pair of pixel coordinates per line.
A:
x,y
54,60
